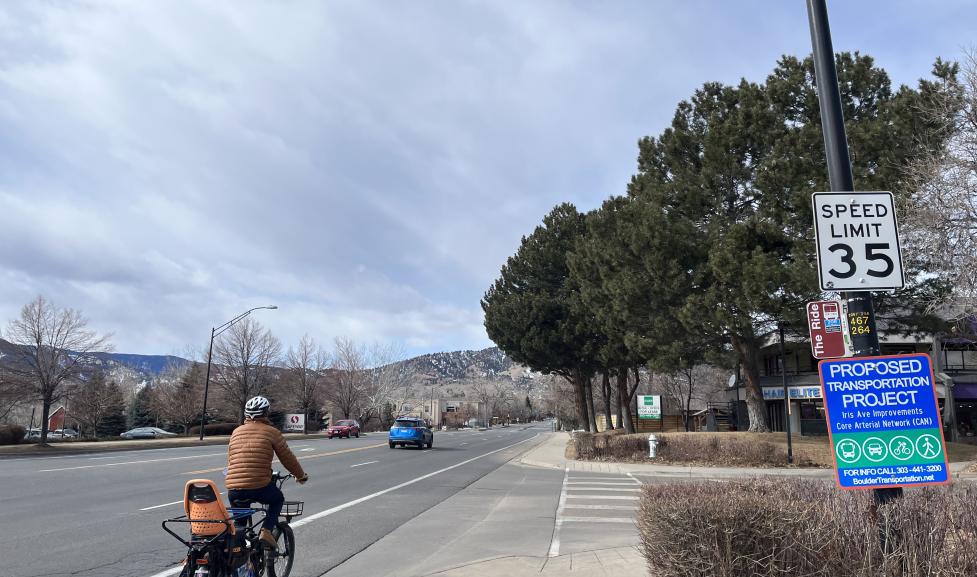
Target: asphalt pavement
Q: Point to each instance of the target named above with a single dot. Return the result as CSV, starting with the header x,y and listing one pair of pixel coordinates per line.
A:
x,y
99,515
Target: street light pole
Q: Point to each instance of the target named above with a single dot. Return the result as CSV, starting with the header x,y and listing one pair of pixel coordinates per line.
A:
x,y
860,304
783,380
214,332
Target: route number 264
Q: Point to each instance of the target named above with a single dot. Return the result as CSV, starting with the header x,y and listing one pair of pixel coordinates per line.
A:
x,y
872,253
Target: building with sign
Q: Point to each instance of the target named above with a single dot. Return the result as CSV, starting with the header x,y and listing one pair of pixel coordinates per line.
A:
x,y
954,361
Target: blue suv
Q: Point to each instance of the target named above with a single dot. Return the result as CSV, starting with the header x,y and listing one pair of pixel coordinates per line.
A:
x,y
410,431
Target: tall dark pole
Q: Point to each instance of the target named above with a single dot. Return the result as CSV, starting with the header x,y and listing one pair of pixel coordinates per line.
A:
x,y
860,304
783,380
203,413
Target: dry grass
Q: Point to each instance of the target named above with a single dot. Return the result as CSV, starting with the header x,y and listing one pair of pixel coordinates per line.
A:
x,y
803,528
736,449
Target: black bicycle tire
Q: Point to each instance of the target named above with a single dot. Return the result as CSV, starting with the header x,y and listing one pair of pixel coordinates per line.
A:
x,y
282,531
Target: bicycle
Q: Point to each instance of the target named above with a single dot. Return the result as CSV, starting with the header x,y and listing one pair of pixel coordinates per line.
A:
x,y
229,546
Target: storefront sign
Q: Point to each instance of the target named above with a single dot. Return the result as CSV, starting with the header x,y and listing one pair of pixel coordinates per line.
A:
x,y
294,422
650,407
883,421
777,393
828,326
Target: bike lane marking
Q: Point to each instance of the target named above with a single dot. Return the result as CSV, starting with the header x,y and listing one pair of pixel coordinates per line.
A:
x,y
338,508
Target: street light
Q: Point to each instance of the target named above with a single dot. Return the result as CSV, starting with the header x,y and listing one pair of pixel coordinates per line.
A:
x,y
210,353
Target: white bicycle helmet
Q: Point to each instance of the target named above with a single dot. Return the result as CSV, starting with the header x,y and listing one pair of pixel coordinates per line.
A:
x,y
256,406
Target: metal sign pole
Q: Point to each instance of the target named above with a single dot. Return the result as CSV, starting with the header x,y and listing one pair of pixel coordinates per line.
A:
x,y
861,310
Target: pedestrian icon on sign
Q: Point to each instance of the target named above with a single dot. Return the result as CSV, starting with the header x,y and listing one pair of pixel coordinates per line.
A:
x,y
928,446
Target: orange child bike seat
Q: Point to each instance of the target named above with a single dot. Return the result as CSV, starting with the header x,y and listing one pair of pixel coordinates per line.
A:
x,y
202,502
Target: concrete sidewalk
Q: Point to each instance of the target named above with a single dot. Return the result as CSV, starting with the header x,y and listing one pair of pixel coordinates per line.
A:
x,y
503,525
551,454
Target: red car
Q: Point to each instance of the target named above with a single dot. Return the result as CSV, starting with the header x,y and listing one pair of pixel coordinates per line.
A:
x,y
344,429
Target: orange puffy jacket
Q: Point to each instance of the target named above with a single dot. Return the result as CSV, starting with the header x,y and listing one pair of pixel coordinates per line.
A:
x,y
249,455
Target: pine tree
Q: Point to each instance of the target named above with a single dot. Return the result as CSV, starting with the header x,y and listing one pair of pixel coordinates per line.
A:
x,y
737,167
532,313
114,421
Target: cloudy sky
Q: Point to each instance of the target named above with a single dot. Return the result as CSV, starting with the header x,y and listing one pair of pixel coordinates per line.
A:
x,y
365,165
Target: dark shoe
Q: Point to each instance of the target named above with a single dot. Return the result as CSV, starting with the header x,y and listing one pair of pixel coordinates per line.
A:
x,y
268,539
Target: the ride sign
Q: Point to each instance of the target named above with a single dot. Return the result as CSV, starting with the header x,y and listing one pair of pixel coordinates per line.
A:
x,y
857,241
884,421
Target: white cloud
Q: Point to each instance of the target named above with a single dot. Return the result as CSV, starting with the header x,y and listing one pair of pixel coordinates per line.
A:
x,y
367,166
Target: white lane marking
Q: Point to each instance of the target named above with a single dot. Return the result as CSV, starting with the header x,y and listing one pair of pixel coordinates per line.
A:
x,y
223,454
635,479
306,450
558,522
601,507
611,489
610,484
599,479
628,520
361,464
339,508
603,497
336,509
167,504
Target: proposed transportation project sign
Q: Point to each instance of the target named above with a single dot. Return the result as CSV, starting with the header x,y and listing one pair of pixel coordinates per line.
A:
x,y
649,407
883,421
857,241
829,330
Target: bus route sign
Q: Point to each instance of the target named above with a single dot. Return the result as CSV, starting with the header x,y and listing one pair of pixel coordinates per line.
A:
x,y
884,421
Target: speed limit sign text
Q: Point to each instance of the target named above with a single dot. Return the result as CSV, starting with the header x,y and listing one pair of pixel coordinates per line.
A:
x,y
857,241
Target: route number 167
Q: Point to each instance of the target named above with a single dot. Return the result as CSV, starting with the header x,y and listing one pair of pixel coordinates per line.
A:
x,y
872,253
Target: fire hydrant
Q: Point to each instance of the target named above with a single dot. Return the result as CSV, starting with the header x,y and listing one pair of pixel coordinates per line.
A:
x,y
652,446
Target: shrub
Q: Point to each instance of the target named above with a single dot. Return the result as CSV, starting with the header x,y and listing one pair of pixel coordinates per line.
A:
x,y
214,429
11,434
724,449
805,528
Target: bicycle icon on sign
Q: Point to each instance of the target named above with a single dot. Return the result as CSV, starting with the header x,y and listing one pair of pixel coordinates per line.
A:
x,y
901,448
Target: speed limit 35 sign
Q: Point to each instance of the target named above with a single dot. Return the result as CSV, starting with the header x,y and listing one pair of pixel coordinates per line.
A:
x,y
857,241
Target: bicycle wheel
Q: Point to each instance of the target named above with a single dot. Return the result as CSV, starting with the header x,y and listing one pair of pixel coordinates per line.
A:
x,y
279,563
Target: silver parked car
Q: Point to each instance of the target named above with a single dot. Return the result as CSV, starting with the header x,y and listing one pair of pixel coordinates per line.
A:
x,y
147,433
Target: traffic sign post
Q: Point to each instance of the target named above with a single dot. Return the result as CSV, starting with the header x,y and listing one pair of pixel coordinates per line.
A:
x,y
884,421
857,241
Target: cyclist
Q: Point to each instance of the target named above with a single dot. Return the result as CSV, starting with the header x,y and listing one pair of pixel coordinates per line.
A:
x,y
249,456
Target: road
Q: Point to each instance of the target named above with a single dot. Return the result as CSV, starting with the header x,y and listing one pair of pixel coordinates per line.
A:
x,y
99,515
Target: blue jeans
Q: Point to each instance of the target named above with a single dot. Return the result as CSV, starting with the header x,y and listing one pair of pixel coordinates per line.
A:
x,y
270,495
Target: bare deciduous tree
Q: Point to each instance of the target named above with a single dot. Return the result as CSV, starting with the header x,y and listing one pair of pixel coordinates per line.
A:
x,y
940,223
14,394
348,364
387,381
243,357
306,364
92,400
179,390
690,386
51,344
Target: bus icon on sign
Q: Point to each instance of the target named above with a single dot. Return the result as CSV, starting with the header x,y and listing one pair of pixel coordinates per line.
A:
x,y
832,317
